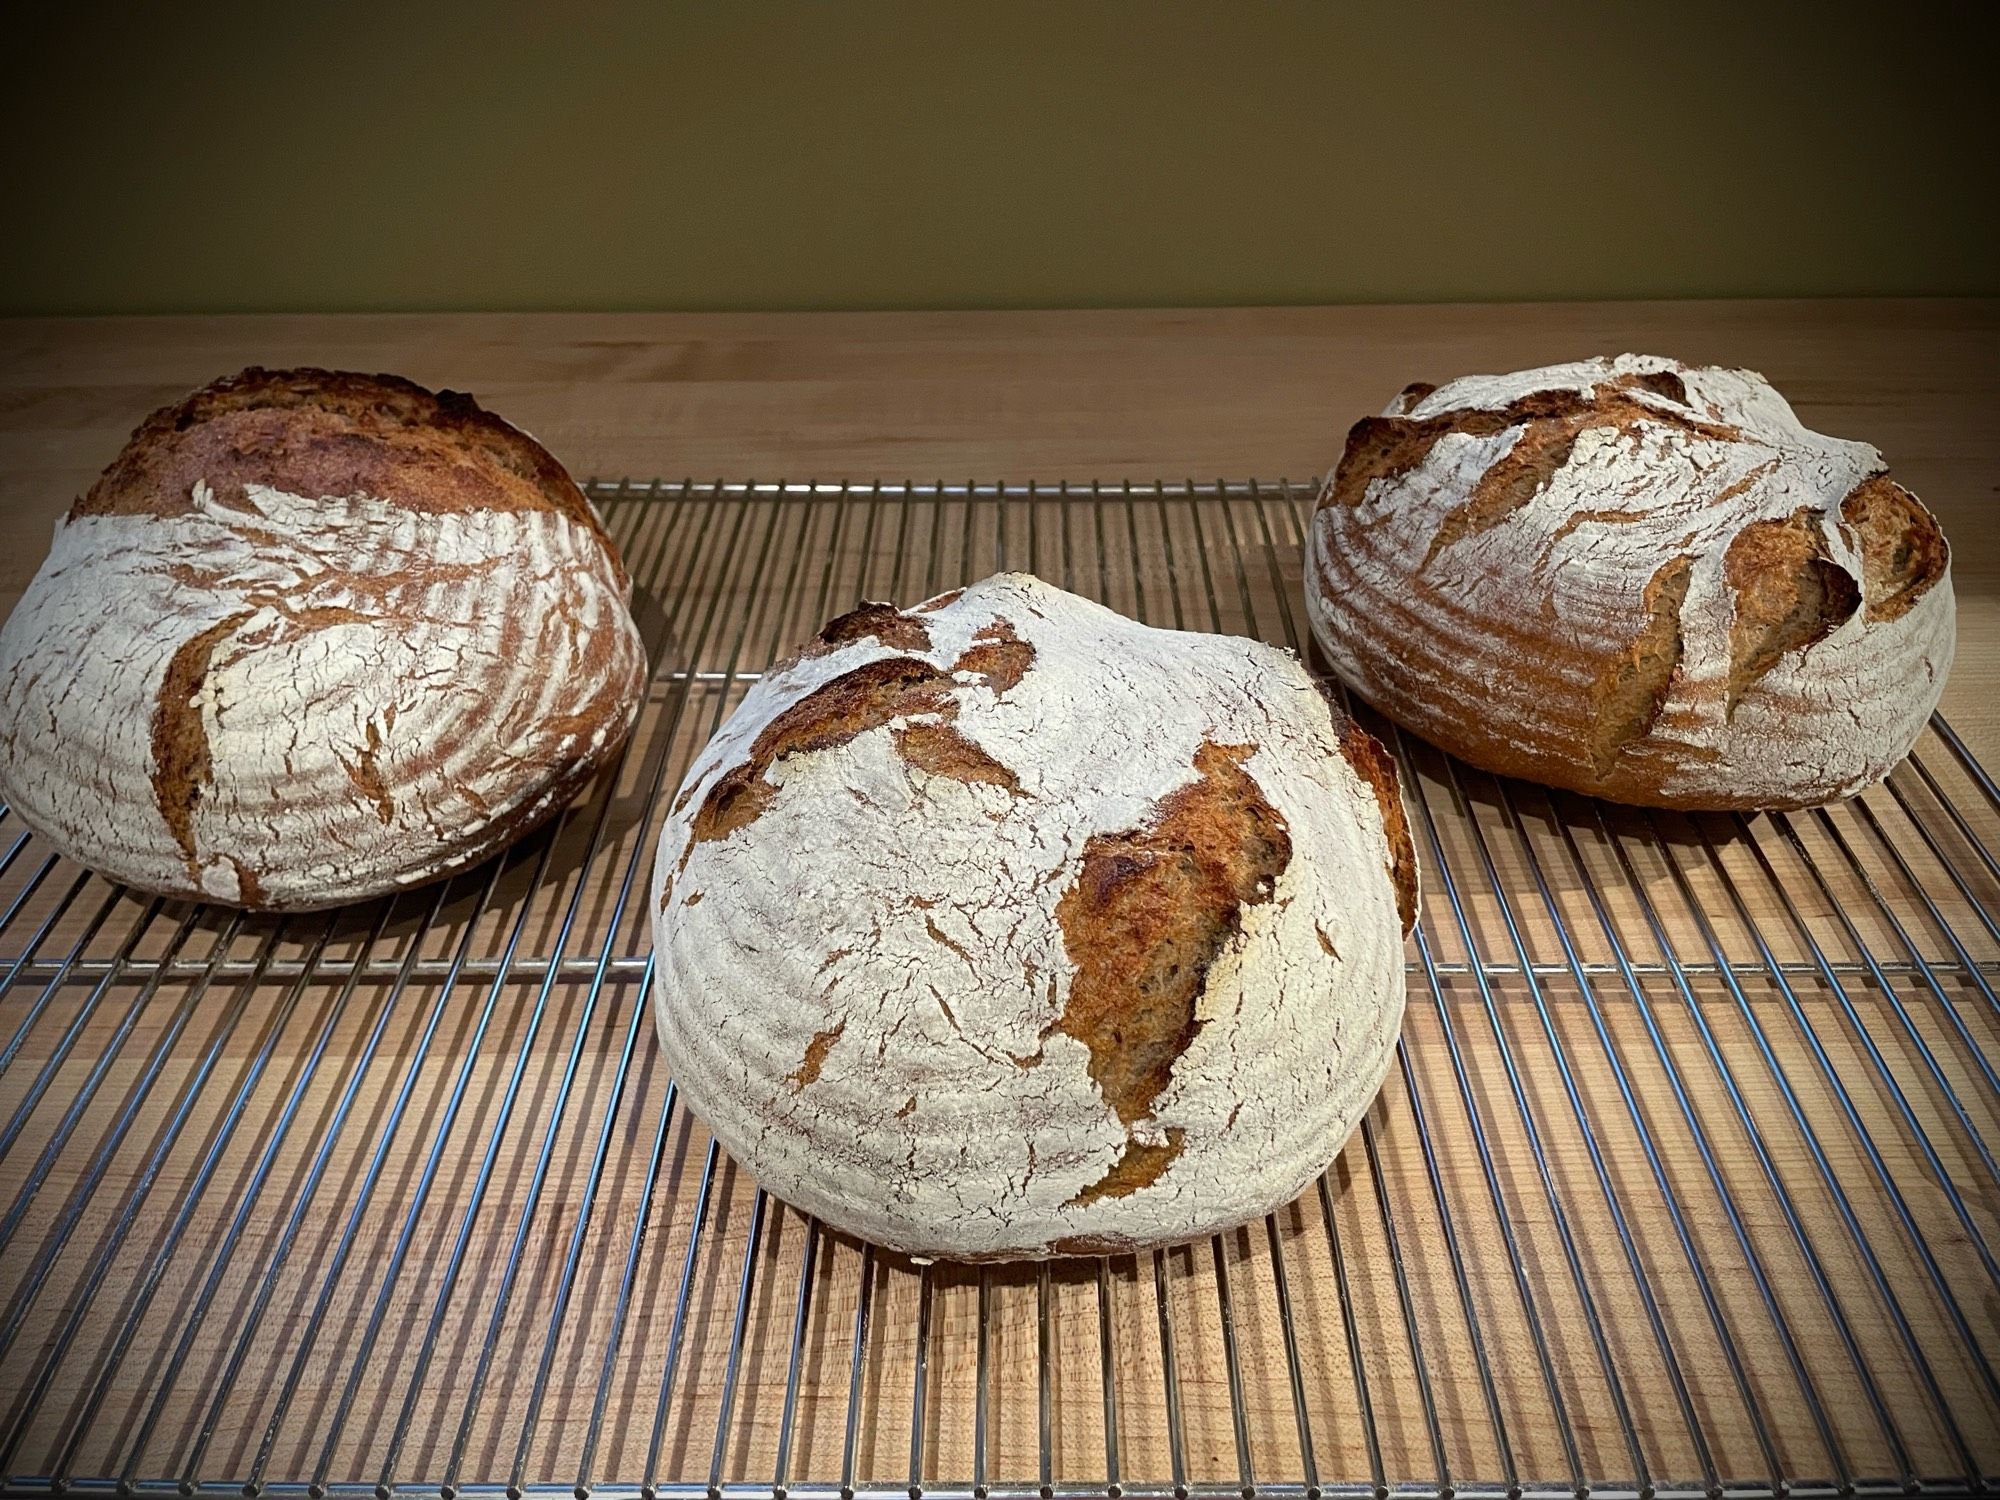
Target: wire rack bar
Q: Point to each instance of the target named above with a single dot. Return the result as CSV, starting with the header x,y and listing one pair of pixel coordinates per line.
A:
x,y
1684,1181
1982,972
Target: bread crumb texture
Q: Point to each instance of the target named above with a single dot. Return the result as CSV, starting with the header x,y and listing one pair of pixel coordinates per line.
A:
x,y
1633,578
311,638
1028,930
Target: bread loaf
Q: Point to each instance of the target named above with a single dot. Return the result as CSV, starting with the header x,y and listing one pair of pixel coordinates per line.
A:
x,y
1633,578
1009,927
312,637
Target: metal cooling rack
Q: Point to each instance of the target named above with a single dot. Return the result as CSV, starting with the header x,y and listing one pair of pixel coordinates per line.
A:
x,y
1683,1183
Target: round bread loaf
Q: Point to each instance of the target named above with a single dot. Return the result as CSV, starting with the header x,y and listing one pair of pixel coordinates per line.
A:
x,y
1009,927
312,637
1633,578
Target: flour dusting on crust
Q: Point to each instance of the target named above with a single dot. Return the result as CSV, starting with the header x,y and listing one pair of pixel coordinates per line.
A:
x,y
293,701
868,977
1635,578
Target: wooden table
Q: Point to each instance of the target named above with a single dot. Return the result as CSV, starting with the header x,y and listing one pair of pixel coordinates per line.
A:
x,y
1571,1018
1263,392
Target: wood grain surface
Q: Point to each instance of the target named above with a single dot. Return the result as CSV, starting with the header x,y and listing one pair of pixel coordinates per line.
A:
x,y
1686,1174
1041,395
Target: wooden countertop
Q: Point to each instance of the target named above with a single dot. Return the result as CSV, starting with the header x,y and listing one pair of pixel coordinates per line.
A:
x,y
1570,1029
1108,395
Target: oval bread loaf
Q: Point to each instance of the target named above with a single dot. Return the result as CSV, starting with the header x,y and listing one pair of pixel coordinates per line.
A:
x,y
312,637
1633,578
1010,927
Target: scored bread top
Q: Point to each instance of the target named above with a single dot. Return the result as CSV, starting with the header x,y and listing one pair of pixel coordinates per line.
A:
x,y
1008,926
333,433
312,637
1636,578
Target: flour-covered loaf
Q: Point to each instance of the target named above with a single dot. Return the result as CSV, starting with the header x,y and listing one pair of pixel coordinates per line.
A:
x,y
313,637
1633,578
1009,927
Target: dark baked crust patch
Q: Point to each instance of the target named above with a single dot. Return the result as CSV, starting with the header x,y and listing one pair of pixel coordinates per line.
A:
x,y
1903,551
1407,398
874,694
940,750
366,775
182,768
1373,764
884,622
1389,447
1789,594
1149,912
866,698
1664,383
853,703
1631,691
333,433
1509,484
1139,1166
808,1070
1091,1244
998,655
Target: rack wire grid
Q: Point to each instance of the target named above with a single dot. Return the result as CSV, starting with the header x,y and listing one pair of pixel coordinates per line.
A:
x,y
1682,1182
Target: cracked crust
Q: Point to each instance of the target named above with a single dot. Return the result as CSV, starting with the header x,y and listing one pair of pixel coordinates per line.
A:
x,y
338,433
1149,912
183,765
997,656
884,622
1633,578
1630,692
1377,768
987,975
1903,553
312,637
1789,596
866,698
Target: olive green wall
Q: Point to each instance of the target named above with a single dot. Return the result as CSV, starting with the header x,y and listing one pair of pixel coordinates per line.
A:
x,y
223,156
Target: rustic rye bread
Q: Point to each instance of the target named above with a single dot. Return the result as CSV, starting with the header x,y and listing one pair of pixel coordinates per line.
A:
x,y
1007,927
312,637
1633,578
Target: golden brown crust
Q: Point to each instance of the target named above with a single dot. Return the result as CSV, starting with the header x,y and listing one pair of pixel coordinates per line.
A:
x,y
816,1050
1788,595
1903,551
1078,1245
1410,395
1091,1245
937,749
882,622
1171,879
502,833
1377,767
997,655
181,764
1386,447
867,698
323,593
1139,1165
1660,382
1631,688
1604,562
1148,914
318,433
834,713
